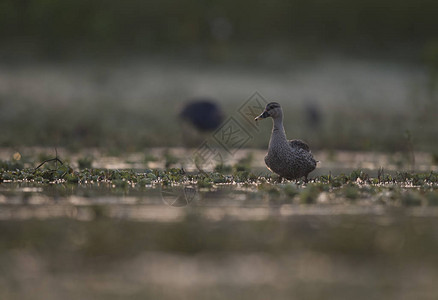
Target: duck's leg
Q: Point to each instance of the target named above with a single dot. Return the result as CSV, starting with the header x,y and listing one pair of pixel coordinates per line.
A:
x,y
280,179
305,179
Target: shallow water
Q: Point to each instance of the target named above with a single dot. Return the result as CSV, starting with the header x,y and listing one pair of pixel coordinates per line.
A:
x,y
247,240
157,202
308,256
175,202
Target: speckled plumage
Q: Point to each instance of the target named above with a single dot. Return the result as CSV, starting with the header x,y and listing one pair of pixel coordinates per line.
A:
x,y
289,159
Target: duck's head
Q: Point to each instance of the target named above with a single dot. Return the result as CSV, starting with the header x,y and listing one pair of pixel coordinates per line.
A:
x,y
272,109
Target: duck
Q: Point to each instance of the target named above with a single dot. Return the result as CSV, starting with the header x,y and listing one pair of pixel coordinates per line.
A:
x,y
290,159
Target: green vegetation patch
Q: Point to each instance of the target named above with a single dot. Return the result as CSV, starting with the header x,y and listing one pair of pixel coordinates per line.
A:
x,y
399,189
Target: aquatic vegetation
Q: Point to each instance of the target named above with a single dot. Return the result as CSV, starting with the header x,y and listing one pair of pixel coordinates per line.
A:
x,y
11,165
170,159
223,168
309,195
149,158
244,164
435,157
85,162
396,189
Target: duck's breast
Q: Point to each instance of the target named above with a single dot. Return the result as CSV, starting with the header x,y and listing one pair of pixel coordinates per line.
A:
x,y
290,163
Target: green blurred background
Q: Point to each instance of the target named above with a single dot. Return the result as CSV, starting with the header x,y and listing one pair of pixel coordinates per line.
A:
x,y
114,74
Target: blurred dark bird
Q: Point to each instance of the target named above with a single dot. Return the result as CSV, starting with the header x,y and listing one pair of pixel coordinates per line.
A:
x,y
203,114
313,114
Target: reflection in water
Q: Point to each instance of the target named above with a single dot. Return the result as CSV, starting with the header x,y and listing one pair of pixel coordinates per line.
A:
x,y
178,196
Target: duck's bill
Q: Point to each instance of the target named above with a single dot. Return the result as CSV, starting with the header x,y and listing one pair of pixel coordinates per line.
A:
x,y
264,115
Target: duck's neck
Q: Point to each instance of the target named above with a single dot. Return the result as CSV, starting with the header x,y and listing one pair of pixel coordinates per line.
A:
x,y
278,135
278,124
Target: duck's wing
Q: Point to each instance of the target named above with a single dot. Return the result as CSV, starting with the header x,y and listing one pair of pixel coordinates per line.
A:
x,y
299,144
